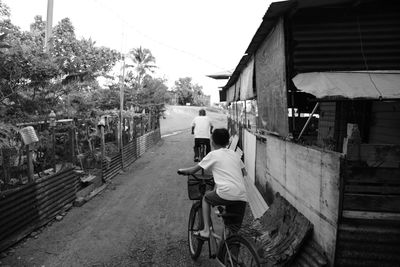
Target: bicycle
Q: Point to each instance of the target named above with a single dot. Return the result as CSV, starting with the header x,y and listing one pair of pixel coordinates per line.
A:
x,y
202,151
229,248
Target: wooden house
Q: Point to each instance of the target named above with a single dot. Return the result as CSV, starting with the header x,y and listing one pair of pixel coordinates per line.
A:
x,y
325,77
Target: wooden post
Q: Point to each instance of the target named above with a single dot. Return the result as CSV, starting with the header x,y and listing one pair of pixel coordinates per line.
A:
x,y
72,142
119,133
103,144
53,150
134,125
351,143
141,126
6,164
29,162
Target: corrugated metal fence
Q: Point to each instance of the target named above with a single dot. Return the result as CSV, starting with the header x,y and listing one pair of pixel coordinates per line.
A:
x,y
129,153
30,206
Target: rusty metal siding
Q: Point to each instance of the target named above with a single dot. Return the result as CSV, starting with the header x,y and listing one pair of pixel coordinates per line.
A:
x,y
270,83
24,209
352,37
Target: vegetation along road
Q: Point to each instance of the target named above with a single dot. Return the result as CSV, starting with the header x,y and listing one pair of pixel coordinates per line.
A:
x,y
139,220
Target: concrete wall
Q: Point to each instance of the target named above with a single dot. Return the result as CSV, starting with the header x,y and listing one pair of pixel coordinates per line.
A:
x,y
308,178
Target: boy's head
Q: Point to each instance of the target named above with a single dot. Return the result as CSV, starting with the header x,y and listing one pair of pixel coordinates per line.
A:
x,y
202,112
220,137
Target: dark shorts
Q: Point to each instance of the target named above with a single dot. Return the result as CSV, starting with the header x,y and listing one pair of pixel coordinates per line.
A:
x,y
231,207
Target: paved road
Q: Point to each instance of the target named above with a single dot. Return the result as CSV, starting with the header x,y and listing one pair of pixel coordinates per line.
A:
x,y
139,220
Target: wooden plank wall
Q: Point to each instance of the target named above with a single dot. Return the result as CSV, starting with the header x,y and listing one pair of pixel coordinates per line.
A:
x,y
28,207
369,228
309,179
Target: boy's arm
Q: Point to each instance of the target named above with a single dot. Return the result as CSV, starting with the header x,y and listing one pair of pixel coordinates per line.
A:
x,y
190,170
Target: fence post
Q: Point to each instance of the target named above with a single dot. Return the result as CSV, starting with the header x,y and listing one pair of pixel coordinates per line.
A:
x,y
6,164
119,133
29,162
53,149
103,145
141,126
72,141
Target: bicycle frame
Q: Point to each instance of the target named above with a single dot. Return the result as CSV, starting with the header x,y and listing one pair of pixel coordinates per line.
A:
x,y
220,242
222,247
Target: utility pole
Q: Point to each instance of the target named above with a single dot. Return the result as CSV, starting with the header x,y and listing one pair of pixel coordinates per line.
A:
x,y
121,101
49,25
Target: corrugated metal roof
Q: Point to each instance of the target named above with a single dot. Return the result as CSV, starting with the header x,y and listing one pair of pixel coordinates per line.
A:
x,y
276,10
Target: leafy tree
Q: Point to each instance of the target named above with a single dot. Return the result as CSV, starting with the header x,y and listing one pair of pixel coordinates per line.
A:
x,y
4,11
187,92
154,91
32,81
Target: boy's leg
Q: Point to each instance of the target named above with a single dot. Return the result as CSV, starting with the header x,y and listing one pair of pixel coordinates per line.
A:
x,y
235,222
196,149
206,218
208,146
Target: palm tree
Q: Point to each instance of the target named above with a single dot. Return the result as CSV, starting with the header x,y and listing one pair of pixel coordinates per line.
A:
x,y
143,64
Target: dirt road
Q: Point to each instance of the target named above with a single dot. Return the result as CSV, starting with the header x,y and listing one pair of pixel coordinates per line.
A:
x,y
139,220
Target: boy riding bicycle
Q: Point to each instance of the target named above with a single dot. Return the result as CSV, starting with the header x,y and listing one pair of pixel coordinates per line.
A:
x,y
228,170
201,129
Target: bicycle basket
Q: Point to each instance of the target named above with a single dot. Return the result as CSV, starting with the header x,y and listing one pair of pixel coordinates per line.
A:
x,y
196,188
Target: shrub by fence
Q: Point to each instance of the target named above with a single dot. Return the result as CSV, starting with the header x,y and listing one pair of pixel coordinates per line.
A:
x,y
37,200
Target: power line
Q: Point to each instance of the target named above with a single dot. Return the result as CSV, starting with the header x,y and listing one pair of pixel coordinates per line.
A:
x,y
128,24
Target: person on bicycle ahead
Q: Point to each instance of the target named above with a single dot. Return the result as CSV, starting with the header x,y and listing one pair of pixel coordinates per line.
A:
x,y
228,171
201,128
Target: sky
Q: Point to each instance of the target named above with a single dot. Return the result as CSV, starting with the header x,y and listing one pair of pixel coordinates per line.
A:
x,y
188,38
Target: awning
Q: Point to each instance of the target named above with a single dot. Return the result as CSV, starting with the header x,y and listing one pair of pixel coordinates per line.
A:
x,y
350,85
221,75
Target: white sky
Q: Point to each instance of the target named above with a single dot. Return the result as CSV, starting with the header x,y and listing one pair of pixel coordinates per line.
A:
x,y
187,37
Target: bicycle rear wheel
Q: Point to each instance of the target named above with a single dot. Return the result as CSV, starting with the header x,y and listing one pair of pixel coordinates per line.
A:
x,y
195,224
238,251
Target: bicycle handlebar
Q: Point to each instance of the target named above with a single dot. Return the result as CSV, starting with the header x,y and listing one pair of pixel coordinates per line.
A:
x,y
194,176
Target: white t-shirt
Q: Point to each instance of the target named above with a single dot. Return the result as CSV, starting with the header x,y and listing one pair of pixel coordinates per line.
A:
x,y
202,126
226,167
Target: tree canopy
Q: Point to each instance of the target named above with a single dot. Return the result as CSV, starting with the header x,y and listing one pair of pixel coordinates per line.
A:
x,y
65,79
188,92
33,81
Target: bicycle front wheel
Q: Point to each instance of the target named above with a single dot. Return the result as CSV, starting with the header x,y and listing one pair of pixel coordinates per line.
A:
x,y
238,251
195,224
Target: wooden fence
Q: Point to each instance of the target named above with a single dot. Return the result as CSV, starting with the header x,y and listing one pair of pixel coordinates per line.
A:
x,y
30,206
